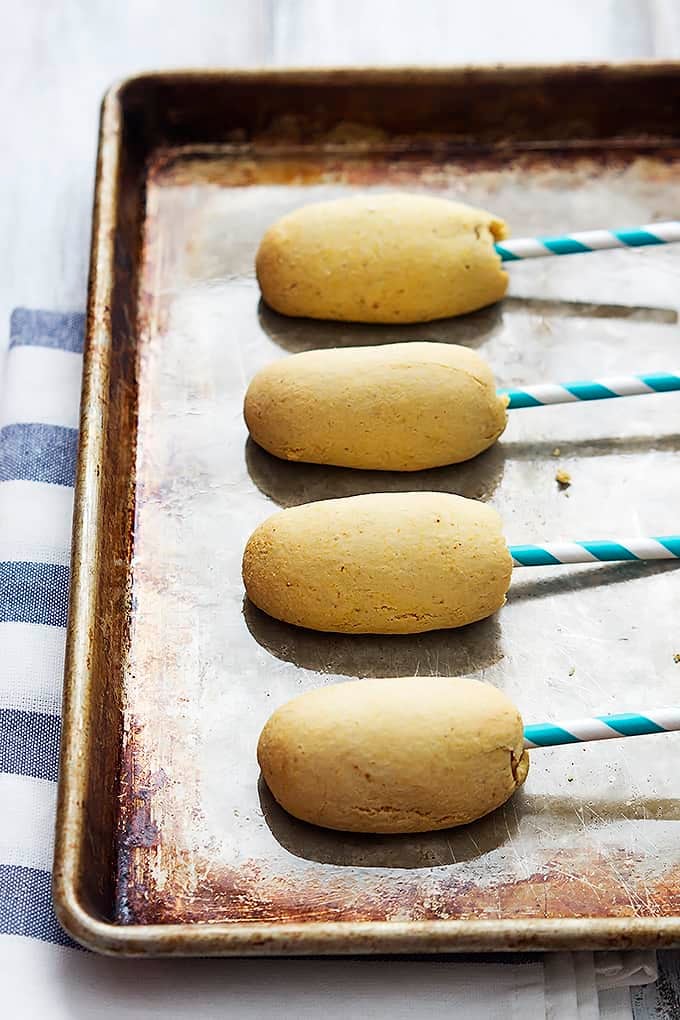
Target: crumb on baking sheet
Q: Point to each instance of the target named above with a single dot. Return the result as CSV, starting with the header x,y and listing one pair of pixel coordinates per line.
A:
x,y
676,657
556,452
563,478
572,670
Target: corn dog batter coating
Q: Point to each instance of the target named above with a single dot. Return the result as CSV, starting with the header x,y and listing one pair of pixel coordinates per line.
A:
x,y
382,258
407,754
383,563
397,407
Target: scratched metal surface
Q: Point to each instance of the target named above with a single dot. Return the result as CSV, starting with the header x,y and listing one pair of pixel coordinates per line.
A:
x,y
595,831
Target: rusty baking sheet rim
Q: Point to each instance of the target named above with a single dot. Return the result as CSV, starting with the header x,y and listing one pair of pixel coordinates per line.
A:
x,y
238,938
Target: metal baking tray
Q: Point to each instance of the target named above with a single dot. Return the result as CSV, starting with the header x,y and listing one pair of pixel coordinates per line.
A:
x,y
167,843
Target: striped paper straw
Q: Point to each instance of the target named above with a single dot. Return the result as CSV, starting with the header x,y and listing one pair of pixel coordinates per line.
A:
x,y
602,727
666,547
593,389
588,240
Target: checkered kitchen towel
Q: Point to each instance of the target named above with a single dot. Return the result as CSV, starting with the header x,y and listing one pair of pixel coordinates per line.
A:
x,y
40,973
38,442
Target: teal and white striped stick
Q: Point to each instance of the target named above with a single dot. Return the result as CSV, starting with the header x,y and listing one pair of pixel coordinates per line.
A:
x,y
602,727
588,240
665,547
592,389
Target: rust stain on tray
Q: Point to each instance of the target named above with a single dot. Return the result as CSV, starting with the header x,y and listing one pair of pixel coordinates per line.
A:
x,y
250,166
196,841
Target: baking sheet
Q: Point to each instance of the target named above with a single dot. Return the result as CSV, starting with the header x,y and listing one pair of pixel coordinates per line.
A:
x,y
166,841
594,833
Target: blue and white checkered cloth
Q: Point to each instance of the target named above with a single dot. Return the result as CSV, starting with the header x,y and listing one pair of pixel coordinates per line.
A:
x,y
41,973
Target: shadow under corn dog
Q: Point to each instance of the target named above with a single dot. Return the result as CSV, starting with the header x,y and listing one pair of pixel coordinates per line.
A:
x,y
560,308
408,851
436,652
605,446
579,808
290,483
471,330
296,335
571,580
